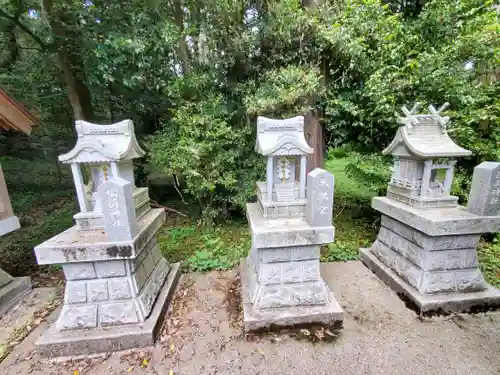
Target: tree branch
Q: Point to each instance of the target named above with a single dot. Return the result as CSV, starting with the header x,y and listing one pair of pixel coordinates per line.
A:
x,y
24,28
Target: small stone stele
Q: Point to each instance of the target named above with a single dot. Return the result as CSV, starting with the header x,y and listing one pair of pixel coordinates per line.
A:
x,y
118,209
484,197
320,184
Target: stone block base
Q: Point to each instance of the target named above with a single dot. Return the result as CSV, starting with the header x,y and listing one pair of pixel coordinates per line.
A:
x,y
13,292
254,319
9,225
56,343
432,304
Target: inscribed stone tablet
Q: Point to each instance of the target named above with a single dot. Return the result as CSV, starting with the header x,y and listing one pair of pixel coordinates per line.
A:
x,y
320,185
118,209
484,197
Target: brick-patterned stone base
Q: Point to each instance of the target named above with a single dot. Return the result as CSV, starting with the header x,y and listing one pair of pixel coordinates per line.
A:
x,y
56,343
281,276
432,304
431,264
328,313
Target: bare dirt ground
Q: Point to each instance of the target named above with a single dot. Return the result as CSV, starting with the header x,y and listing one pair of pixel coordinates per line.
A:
x,y
203,335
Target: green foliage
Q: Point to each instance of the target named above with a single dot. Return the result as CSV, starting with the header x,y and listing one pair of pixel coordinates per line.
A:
x,y
284,91
205,248
371,170
196,74
489,259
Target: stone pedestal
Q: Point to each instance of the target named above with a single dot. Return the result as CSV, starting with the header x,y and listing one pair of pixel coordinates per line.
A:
x,y
281,281
12,290
429,256
115,291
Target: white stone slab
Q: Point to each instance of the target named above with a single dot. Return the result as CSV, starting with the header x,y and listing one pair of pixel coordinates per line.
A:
x,y
320,186
437,222
73,245
484,197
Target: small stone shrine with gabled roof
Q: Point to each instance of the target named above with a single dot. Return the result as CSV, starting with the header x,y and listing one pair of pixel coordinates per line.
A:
x,y
423,152
426,247
284,145
108,150
118,284
281,281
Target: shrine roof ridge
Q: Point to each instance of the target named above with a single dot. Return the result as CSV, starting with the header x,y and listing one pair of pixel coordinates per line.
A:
x,y
425,135
283,137
103,143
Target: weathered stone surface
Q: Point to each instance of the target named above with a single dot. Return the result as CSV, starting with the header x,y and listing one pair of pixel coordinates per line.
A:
x,y
437,222
289,254
427,242
5,278
269,232
455,302
97,290
154,284
425,259
117,313
73,245
484,197
119,288
118,209
320,185
77,317
287,295
57,343
75,292
288,224
430,281
9,224
12,291
256,318
110,268
79,271
288,272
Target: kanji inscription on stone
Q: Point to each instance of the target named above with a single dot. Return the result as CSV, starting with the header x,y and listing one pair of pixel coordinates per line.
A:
x,y
320,184
484,197
118,209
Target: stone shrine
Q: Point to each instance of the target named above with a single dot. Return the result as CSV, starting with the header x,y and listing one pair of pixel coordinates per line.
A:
x,y
426,247
118,283
281,281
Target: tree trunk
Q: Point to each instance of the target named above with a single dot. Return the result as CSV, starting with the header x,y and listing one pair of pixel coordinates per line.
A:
x,y
67,40
11,47
312,127
183,47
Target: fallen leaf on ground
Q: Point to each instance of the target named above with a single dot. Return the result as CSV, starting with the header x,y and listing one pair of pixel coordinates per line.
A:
x,y
305,332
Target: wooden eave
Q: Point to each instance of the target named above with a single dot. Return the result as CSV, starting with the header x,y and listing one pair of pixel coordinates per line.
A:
x,y
13,115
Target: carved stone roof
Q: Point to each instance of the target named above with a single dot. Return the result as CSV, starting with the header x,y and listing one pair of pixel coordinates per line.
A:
x,y
281,137
424,136
104,143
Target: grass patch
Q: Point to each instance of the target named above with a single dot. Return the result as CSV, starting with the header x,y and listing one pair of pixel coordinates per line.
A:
x,y
354,220
489,259
205,248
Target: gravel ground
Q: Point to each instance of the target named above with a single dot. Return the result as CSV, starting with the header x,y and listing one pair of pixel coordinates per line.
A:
x,y
203,335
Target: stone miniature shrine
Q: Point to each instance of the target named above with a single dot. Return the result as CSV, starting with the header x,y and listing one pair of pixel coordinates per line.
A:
x,y
281,281
118,283
426,247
